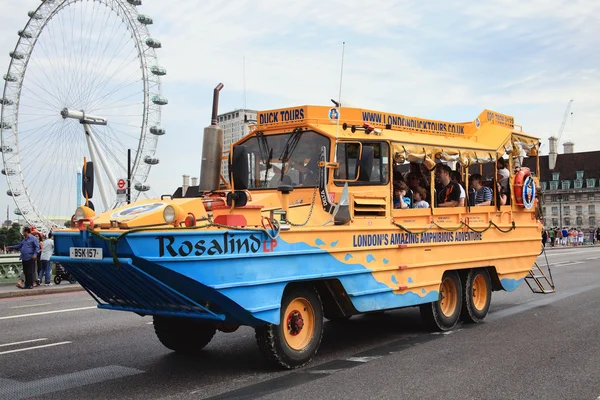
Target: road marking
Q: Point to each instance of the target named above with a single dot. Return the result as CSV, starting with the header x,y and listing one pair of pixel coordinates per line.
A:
x,y
47,312
24,341
32,305
24,390
592,258
33,348
363,359
566,263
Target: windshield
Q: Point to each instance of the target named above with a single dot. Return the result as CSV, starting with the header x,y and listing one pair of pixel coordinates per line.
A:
x,y
295,153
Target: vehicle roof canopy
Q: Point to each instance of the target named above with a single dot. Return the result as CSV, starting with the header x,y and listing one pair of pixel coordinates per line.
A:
x,y
484,139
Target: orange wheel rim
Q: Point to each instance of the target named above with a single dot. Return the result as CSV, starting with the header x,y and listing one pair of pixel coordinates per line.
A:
x,y
480,292
448,297
298,323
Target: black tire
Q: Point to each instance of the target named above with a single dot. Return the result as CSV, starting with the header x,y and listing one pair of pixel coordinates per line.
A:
x,y
271,339
433,315
183,335
72,280
57,280
477,297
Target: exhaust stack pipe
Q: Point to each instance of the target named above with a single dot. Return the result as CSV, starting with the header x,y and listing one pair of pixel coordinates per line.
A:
x,y
215,110
212,149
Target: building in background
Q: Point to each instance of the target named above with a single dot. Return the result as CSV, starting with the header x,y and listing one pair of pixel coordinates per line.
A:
x,y
570,187
235,124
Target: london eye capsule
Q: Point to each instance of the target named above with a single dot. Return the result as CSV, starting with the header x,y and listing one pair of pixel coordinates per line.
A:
x,y
16,55
34,15
19,212
135,2
140,187
155,130
10,78
151,160
9,172
160,100
25,34
144,19
154,43
6,102
156,70
5,125
6,149
12,193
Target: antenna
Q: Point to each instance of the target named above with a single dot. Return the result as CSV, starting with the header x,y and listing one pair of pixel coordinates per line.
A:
x,y
339,103
244,79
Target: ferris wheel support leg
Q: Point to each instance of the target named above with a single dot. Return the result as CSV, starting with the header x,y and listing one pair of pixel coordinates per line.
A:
x,y
103,161
97,171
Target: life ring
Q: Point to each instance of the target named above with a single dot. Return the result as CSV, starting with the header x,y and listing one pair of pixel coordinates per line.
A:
x,y
524,188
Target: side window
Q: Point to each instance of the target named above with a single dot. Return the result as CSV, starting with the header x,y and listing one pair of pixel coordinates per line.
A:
x,y
373,172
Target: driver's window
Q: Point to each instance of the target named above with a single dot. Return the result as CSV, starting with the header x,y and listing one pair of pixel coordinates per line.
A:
x,y
296,154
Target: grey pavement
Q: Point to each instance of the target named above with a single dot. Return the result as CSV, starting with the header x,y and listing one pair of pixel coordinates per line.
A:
x,y
530,346
8,290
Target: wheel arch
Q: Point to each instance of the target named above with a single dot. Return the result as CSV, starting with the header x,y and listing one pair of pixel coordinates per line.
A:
x,y
334,297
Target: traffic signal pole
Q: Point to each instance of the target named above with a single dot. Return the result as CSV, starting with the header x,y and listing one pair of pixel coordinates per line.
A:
x,y
128,176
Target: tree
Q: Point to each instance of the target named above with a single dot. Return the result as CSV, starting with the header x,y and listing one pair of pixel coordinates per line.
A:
x,y
13,235
3,236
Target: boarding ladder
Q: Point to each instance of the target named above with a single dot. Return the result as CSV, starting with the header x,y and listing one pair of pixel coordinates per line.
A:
x,y
540,281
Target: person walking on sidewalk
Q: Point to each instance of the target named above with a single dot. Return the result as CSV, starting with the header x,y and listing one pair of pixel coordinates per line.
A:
x,y
47,251
29,248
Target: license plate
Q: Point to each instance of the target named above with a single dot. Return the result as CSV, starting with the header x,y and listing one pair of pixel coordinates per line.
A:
x,y
91,253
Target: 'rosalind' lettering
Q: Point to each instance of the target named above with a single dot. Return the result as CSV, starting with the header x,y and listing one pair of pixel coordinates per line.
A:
x,y
227,243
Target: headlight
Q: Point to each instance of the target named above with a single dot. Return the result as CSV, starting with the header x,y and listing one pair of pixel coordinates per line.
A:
x,y
84,212
169,214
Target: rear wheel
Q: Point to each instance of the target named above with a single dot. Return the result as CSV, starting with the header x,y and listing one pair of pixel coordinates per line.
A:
x,y
295,341
183,335
477,295
443,314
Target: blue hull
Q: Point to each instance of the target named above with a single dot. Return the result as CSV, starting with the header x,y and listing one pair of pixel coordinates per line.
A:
x,y
237,277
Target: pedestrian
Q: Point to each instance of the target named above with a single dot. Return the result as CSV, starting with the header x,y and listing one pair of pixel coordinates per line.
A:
x,y
47,251
552,233
544,237
29,248
38,262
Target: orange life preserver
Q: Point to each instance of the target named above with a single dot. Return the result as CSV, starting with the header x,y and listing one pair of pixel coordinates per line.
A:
x,y
520,177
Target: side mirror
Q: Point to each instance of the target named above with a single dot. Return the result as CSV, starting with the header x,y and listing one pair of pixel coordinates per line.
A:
x,y
239,167
87,180
366,163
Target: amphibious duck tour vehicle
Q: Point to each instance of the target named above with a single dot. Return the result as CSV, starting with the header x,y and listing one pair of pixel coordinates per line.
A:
x,y
305,227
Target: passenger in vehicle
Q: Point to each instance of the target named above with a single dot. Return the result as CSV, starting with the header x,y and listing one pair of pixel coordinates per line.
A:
x,y
419,195
503,172
463,195
400,198
448,194
501,194
483,194
414,180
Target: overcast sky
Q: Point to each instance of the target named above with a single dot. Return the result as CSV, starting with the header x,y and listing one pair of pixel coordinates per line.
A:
x,y
431,59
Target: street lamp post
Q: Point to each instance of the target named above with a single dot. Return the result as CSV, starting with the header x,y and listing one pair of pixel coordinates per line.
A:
x,y
560,224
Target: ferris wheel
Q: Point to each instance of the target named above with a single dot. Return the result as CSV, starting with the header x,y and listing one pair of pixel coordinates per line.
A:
x,y
83,81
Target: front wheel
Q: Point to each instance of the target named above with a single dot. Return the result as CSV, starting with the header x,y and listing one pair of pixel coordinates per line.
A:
x,y
183,335
295,341
57,280
477,296
443,314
